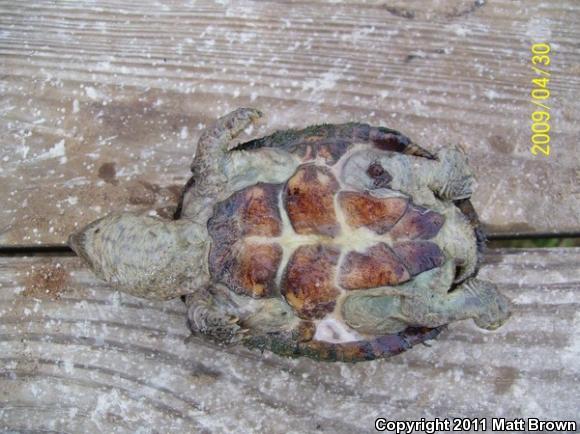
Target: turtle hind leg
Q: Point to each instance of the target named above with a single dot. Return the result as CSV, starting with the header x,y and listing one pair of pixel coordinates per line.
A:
x,y
493,308
474,298
453,178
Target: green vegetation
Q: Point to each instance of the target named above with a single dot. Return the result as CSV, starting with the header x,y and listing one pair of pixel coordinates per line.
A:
x,y
534,243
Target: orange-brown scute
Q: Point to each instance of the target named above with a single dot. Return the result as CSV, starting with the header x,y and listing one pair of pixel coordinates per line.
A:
x,y
309,200
256,268
378,266
378,214
259,211
308,283
418,222
247,268
419,256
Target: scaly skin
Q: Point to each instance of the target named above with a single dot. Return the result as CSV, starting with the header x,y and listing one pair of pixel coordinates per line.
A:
x,y
145,256
426,301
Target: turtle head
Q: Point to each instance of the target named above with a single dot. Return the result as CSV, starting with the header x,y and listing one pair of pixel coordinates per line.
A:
x,y
143,255
84,240
116,246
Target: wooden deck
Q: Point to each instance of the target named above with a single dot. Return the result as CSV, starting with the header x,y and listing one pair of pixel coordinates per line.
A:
x,y
101,104
85,359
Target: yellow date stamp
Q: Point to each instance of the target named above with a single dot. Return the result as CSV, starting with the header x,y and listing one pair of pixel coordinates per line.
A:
x,y
540,94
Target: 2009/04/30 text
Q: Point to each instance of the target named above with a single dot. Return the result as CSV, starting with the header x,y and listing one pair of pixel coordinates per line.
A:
x,y
476,424
540,93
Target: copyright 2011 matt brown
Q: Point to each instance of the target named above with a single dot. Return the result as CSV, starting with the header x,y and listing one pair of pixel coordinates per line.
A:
x,y
473,425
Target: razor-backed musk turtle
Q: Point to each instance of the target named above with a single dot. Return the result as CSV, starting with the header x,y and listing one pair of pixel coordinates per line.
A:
x,y
337,242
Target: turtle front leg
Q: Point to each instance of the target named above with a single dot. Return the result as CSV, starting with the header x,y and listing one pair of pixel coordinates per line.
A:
x,y
269,165
212,316
209,164
477,299
213,145
228,318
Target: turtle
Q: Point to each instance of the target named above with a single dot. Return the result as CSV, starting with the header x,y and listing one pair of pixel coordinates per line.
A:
x,y
339,242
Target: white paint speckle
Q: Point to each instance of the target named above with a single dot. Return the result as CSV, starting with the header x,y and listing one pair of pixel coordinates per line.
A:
x,y
491,94
57,151
334,331
326,81
23,150
459,30
539,30
92,93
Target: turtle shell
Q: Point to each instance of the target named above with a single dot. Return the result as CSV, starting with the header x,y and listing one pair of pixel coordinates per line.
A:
x,y
310,240
313,241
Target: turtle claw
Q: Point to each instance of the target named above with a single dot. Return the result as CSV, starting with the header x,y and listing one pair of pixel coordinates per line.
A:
x,y
238,335
237,121
454,179
227,331
220,326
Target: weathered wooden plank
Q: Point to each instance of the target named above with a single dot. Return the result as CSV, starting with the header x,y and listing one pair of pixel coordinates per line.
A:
x,y
82,358
102,104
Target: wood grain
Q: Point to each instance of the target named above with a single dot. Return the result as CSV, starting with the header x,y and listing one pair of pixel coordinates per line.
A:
x,y
102,103
82,358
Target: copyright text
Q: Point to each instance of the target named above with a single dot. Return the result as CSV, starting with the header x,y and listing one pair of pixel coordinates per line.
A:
x,y
476,424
